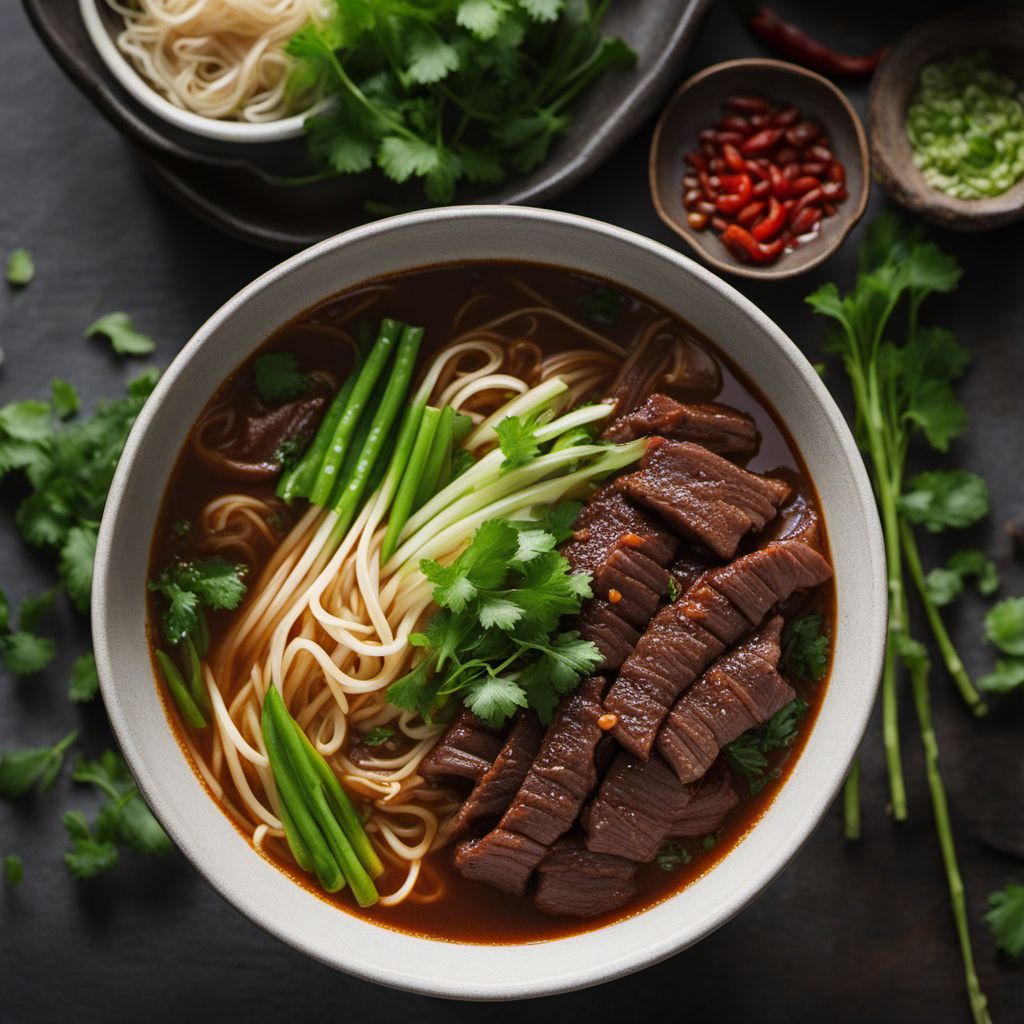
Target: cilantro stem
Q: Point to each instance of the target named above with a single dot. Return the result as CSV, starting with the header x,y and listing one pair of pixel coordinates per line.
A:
x,y
929,742
851,802
954,666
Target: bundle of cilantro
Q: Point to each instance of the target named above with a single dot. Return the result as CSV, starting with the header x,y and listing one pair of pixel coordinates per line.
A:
x,y
903,389
470,90
496,643
69,467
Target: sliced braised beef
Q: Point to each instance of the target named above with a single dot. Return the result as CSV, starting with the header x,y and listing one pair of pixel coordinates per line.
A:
x,y
740,691
547,803
625,551
466,750
685,637
641,804
576,882
718,428
704,497
498,784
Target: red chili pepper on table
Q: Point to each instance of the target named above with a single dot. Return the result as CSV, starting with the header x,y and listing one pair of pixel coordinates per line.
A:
x,y
794,43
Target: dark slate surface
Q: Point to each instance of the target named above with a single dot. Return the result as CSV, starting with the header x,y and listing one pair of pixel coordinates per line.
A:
x,y
847,934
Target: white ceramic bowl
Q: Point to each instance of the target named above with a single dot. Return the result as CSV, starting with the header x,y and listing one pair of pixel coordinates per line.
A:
x,y
197,824
98,27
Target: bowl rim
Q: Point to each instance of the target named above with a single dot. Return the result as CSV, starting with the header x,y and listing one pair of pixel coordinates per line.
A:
x,y
208,127
778,271
615,960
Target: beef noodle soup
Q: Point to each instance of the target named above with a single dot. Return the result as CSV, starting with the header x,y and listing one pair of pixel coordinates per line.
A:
x,y
490,602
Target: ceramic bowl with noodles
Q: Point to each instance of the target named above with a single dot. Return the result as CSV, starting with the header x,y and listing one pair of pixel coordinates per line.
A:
x,y
279,564
216,68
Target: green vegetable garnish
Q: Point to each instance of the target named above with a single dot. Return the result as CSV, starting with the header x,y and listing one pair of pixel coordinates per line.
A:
x,y
966,127
119,330
474,91
278,377
496,642
805,648
212,583
946,584
672,856
22,650
20,268
85,683
64,398
20,770
1005,918
747,754
14,870
378,734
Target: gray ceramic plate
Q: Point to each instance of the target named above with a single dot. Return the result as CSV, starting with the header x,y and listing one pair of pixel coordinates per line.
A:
x,y
235,194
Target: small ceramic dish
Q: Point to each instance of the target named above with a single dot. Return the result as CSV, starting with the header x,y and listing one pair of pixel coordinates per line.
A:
x,y
198,825
1001,33
697,105
102,31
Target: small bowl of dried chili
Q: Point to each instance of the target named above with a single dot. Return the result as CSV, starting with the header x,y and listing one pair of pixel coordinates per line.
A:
x,y
760,166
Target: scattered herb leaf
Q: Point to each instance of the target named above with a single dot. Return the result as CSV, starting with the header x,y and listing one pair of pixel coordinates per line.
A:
x,y
23,652
378,735
945,498
278,378
947,583
748,753
1004,626
805,648
20,770
119,330
674,589
672,856
1005,918
64,398
603,305
190,586
85,683
14,870
21,268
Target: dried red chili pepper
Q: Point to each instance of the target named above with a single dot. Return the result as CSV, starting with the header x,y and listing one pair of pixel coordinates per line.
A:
x,y
794,43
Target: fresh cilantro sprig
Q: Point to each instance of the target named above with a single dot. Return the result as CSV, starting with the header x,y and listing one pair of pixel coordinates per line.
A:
x,y
193,585
378,735
946,583
69,467
805,647
1004,629
123,819
472,91
278,377
119,330
672,856
22,650
1005,918
495,642
748,754
22,769
517,438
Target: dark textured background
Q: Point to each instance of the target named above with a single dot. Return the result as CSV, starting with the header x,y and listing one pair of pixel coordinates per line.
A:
x,y
846,933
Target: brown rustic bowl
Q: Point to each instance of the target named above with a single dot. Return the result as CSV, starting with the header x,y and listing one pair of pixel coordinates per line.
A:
x,y
697,104
999,31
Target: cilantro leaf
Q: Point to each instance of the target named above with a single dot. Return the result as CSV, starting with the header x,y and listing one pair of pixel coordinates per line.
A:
x,y
603,305
1004,626
672,856
559,520
483,565
1005,918
482,17
430,57
748,753
946,584
517,439
20,770
20,268
189,586
85,683
495,698
119,330
1007,676
805,648
945,498
278,378
88,856
378,735
64,398
76,561
14,870
674,590
22,651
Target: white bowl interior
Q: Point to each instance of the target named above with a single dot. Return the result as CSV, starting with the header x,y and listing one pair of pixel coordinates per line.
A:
x,y
211,128
198,825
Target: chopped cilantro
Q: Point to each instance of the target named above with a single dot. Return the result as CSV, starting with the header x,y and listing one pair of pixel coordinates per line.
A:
x,y
14,870
1004,626
290,450
21,268
85,683
673,589
1005,918
805,648
748,753
123,819
1006,677
709,842
190,586
22,769
378,735
495,642
672,856
181,527
278,377
119,330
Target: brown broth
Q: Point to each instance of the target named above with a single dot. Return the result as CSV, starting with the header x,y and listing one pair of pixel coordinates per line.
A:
x,y
470,911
